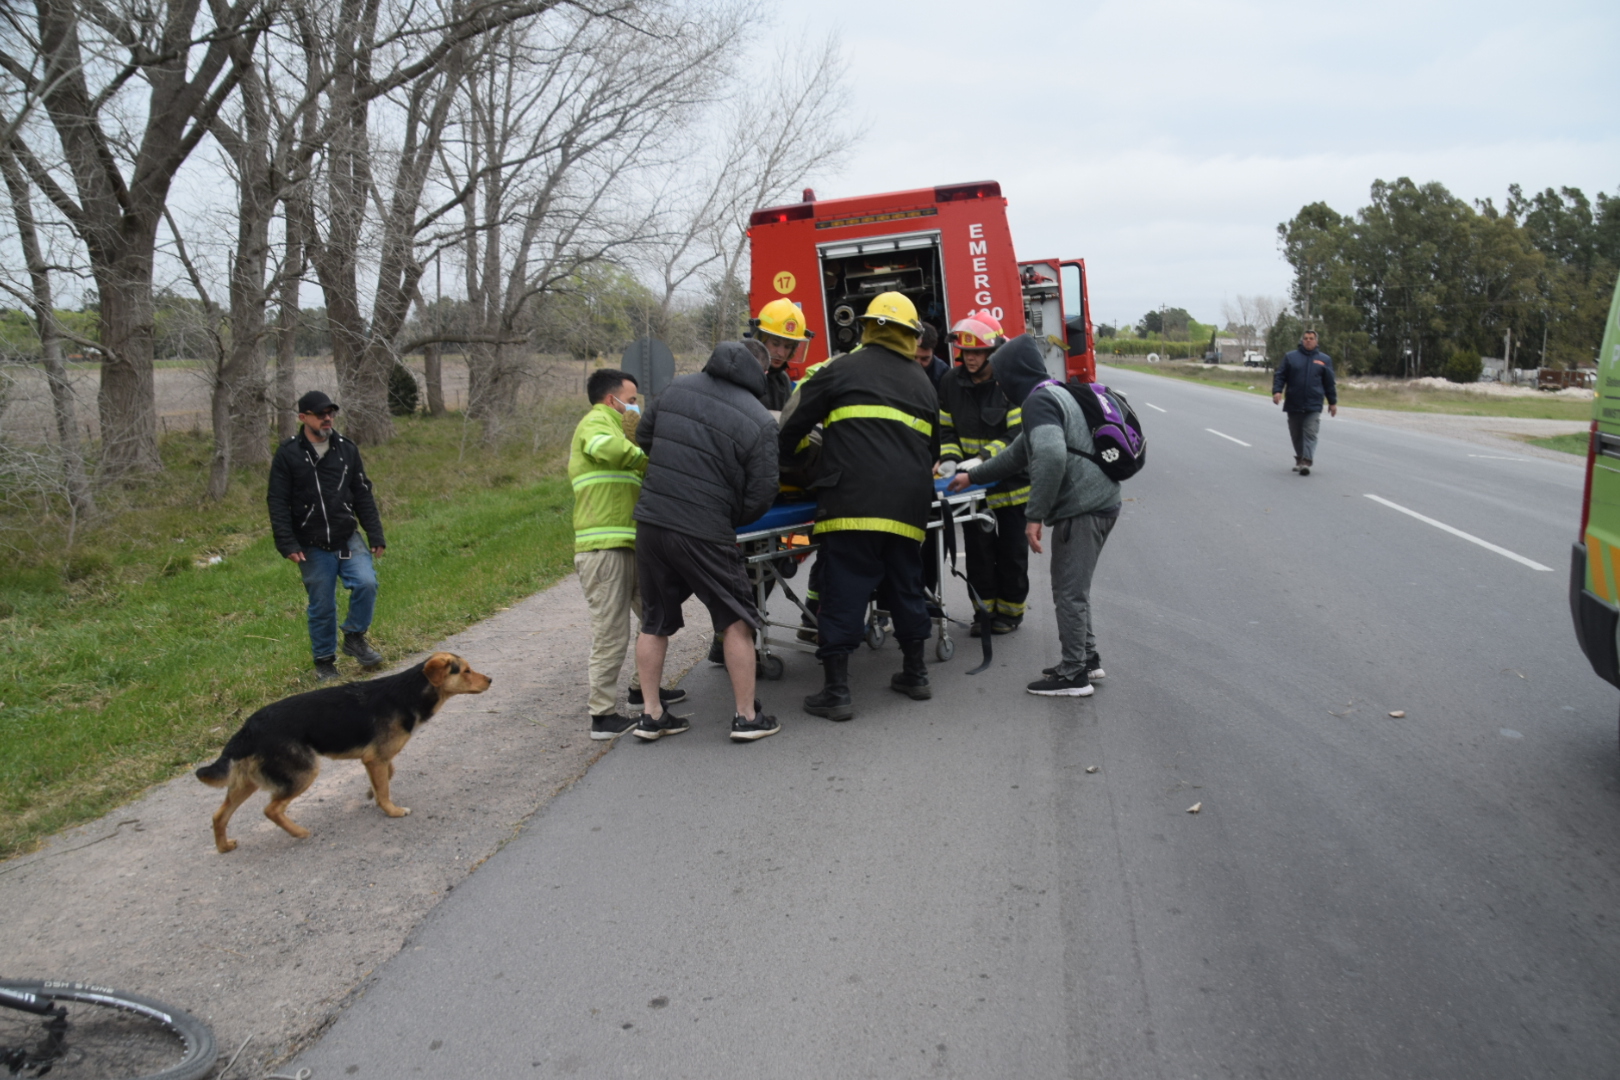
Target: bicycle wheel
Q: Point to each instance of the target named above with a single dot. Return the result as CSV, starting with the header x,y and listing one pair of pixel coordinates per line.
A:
x,y
112,1035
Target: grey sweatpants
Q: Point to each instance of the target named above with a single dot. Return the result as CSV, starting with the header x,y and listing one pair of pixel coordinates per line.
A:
x,y
1076,544
1302,429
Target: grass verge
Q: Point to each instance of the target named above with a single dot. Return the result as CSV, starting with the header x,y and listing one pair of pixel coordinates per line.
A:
x,y
1575,443
1398,399
131,659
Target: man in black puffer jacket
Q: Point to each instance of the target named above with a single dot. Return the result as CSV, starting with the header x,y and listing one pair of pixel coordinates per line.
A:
x,y
319,494
711,466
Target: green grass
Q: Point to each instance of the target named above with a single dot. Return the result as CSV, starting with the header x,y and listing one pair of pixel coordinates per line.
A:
x,y
1399,399
125,663
1575,443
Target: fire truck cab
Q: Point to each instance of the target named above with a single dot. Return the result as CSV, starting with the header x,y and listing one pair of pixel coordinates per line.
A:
x,y
948,249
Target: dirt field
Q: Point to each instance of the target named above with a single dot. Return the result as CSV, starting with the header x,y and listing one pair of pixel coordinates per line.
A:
x,y
182,391
271,940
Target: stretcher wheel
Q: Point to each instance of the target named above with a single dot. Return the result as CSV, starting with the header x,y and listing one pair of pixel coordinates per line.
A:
x,y
945,647
875,635
770,667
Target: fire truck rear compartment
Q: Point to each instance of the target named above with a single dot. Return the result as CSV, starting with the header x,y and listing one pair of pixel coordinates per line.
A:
x,y
852,273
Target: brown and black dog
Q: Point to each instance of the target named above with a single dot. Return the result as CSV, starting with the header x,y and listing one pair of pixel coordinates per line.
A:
x,y
373,720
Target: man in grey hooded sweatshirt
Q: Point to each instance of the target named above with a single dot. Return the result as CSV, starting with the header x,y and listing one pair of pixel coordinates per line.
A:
x,y
1072,505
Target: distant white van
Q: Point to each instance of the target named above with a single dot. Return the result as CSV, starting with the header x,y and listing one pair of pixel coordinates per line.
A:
x,y
1253,358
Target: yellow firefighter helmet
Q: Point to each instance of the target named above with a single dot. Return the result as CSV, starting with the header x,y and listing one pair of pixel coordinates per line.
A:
x,y
894,307
782,318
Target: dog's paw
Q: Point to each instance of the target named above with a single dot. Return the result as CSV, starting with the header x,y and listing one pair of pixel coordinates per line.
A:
x,y
226,847
396,811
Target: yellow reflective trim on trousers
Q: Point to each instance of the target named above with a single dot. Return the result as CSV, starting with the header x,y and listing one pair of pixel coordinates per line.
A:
x,y
880,412
870,524
1007,607
1008,498
585,480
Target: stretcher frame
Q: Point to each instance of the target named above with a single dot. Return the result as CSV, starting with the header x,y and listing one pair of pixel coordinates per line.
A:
x,y
766,550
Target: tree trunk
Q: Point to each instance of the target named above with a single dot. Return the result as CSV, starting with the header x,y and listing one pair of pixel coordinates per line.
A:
x,y
80,500
433,376
219,466
127,400
286,392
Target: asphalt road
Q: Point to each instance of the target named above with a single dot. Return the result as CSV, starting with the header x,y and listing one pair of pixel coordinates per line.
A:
x,y
941,889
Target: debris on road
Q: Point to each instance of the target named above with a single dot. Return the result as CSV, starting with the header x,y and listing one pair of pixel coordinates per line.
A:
x,y
1398,714
1092,768
1195,807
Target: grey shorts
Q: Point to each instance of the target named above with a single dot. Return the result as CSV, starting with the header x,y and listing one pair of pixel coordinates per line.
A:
x,y
672,566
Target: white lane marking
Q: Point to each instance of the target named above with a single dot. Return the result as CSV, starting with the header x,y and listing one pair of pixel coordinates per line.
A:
x,y
1229,438
1497,457
1150,405
1443,527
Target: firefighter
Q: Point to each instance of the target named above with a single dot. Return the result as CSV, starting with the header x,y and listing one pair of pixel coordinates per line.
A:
x,y
780,328
875,488
977,422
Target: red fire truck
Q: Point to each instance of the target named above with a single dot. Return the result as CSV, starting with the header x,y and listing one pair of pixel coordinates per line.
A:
x,y
948,249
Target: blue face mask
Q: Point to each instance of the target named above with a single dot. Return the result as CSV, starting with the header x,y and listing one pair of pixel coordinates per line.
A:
x,y
633,410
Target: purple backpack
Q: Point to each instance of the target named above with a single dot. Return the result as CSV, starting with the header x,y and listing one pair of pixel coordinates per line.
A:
x,y
1121,448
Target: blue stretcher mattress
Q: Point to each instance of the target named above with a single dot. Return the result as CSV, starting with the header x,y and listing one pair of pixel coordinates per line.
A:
x,y
787,515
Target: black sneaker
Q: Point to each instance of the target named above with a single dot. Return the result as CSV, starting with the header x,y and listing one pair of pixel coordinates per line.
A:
x,y
610,726
652,730
1305,470
1057,686
746,730
669,695
326,669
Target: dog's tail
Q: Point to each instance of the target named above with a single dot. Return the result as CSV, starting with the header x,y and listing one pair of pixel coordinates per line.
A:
x,y
218,772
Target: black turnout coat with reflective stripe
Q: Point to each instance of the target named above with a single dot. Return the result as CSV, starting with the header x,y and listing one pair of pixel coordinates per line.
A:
x,y
880,439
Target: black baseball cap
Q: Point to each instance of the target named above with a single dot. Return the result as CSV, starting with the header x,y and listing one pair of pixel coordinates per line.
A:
x,y
315,402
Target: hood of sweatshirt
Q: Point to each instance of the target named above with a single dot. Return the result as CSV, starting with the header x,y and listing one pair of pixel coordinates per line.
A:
x,y
732,362
1019,368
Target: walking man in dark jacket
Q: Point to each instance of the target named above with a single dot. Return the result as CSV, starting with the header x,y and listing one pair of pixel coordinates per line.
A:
x,y
1305,378
874,492
711,466
319,494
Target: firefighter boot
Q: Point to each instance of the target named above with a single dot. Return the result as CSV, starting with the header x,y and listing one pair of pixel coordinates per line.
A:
x,y
912,678
833,701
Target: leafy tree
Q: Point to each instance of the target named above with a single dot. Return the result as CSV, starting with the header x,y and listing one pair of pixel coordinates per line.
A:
x,y
1104,330
1463,366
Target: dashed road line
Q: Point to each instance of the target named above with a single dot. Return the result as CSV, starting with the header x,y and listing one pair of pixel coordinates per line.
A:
x,y
1150,405
1497,457
1471,538
1229,438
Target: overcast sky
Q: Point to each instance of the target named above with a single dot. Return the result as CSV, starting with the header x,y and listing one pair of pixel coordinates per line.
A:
x,y
1164,141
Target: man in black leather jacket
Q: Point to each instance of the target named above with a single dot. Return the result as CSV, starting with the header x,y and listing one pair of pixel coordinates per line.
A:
x,y
319,498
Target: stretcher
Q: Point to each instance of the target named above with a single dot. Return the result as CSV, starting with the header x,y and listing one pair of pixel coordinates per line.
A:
x,y
775,545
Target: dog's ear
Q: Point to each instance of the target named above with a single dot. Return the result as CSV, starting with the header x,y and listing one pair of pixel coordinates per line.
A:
x,y
437,668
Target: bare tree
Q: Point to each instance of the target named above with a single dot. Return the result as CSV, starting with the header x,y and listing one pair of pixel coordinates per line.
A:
x,y
562,119
780,134
119,167
39,300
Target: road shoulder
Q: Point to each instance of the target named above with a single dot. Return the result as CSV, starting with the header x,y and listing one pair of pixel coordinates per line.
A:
x,y
270,940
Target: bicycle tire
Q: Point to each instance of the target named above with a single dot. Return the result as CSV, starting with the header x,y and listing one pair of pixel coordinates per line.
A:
x,y
113,1035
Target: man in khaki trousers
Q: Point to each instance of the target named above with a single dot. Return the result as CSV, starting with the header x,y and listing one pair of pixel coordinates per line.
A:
x,y
605,468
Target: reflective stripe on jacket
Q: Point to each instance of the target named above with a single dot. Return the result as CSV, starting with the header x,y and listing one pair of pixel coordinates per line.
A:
x,y
880,438
977,421
605,468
